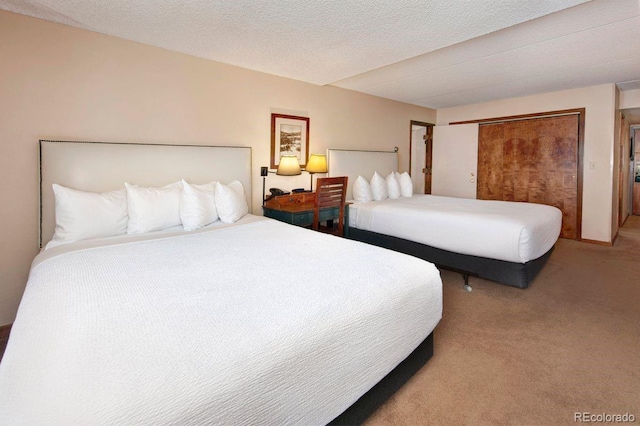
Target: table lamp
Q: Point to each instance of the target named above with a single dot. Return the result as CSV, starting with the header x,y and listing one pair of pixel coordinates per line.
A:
x,y
288,166
317,164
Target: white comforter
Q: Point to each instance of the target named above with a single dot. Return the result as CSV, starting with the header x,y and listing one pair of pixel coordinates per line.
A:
x,y
258,323
510,231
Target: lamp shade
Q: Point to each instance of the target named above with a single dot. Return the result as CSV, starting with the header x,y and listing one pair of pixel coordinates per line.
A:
x,y
317,164
289,166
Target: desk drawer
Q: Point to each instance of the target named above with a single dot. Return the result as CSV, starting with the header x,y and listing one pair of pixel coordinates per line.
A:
x,y
302,219
299,200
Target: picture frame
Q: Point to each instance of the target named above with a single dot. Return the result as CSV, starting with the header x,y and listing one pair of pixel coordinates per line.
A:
x,y
289,136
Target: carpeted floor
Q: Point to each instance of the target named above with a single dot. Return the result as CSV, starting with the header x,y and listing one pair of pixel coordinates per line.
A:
x,y
568,344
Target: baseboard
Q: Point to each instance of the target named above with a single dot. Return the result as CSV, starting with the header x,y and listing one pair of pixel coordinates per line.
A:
x,y
624,220
615,237
600,243
5,330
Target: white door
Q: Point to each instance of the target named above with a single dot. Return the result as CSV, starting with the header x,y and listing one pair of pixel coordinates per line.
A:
x,y
455,160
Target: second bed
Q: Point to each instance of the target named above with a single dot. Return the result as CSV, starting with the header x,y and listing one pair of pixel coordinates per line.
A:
x,y
506,242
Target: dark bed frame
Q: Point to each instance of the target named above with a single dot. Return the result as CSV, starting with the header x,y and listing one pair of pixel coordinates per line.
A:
x,y
369,402
353,163
509,273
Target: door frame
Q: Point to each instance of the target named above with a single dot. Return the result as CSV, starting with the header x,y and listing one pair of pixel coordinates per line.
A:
x,y
581,120
634,130
429,149
623,157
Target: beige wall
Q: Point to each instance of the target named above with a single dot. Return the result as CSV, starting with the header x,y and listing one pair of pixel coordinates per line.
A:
x,y
598,218
58,82
630,99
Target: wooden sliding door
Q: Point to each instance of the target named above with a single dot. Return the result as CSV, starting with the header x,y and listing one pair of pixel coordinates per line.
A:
x,y
533,160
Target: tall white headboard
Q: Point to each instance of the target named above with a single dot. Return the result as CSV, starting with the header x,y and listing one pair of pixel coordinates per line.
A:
x,y
354,163
101,167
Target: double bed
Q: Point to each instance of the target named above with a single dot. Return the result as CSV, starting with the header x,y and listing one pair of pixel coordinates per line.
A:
x,y
506,242
249,322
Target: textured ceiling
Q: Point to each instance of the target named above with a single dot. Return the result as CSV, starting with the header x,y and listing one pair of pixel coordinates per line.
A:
x,y
595,43
435,53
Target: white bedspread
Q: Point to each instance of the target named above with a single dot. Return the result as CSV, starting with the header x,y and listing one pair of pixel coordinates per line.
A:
x,y
510,231
258,323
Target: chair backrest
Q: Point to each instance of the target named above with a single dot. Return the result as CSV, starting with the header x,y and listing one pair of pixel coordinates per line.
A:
x,y
330,194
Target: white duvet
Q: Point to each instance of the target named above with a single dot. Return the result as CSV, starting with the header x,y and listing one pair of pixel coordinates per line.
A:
x,y
256,323
503,230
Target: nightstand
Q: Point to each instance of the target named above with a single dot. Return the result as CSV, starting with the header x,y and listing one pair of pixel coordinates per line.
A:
x,y
297,209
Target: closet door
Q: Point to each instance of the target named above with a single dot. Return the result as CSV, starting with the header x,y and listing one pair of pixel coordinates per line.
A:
x,y
533,160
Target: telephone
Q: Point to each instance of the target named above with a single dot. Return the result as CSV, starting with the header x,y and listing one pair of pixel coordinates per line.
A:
x,y
276,192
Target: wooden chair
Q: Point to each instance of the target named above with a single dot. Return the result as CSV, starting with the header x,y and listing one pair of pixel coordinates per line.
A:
x,y
330,194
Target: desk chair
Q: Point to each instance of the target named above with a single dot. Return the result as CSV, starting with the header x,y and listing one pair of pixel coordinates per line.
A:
x,y
330,194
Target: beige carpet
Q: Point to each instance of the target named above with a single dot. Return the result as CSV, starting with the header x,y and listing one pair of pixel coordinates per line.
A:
x,y
569,343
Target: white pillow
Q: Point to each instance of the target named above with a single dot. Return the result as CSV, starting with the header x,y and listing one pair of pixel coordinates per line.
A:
x,y
230,201
406,185
379,187
153,209
197,205
82,215
362,190
393,187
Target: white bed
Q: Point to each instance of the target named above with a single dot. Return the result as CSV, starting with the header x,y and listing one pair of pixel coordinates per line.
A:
x,y
513,232
238,323
507,242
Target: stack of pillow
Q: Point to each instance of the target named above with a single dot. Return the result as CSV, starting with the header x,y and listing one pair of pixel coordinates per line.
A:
x,y
395,185
84,215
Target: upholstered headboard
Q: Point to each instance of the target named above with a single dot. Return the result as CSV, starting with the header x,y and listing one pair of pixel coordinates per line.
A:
x,y
353,163
101,167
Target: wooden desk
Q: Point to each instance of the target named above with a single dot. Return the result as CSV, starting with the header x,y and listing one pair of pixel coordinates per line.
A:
x,y
297,209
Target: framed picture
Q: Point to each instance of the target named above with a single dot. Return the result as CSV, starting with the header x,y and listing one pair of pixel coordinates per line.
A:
x,y
289,136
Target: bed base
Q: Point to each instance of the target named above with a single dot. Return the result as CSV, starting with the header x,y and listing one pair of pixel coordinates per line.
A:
x,y
376,396
508,273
